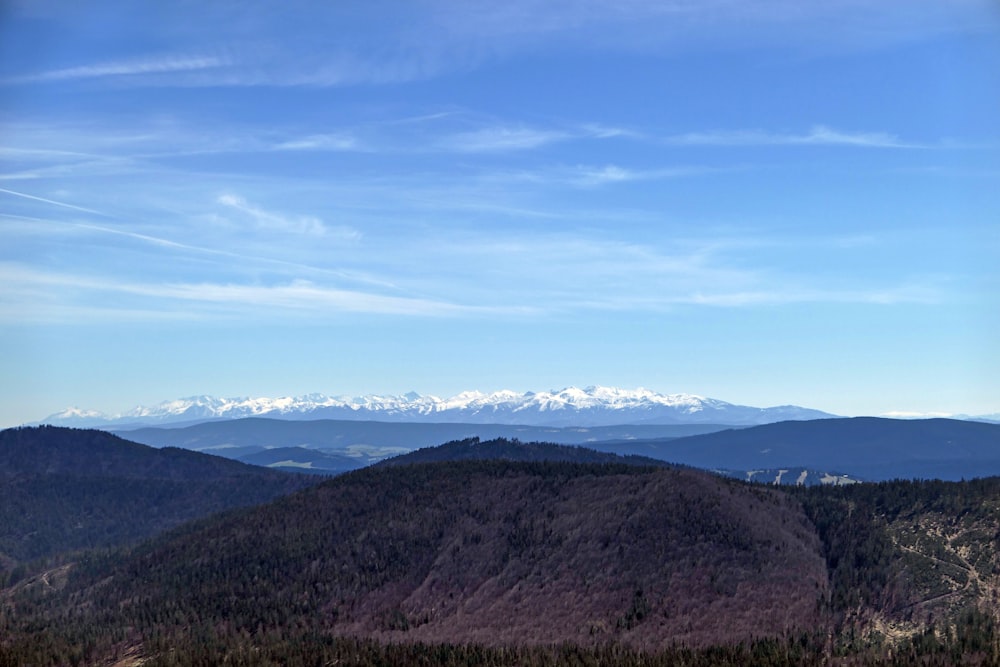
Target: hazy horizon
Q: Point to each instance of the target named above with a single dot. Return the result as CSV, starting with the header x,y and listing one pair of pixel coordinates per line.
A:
x,y
766,202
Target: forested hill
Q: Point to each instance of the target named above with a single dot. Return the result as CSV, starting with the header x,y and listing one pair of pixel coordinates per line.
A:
x,y
50,450
497,553
868,448
491,562
65,489
503,449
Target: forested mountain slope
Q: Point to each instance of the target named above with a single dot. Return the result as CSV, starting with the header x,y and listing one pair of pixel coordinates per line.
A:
x,y
903,555
50,450
65,489
503,449
479,561
496,553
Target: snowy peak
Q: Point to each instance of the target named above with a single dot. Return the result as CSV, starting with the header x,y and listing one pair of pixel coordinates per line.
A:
x,y
571,406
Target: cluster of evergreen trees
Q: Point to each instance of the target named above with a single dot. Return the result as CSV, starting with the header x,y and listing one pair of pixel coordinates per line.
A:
x,y
974,641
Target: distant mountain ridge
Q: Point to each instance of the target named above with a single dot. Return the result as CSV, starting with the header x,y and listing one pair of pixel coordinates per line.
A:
x,y
370,441
592,406
870,448
863,448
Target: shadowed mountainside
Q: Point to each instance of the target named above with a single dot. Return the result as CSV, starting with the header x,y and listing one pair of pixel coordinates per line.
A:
x,y
502,449
604,560
489,552
65,489
869,448
50,450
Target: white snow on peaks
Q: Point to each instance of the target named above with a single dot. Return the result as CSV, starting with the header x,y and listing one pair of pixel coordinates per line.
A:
x,y
590,406
78,417
77,412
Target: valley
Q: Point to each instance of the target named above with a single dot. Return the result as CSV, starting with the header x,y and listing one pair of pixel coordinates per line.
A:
x,y
828,450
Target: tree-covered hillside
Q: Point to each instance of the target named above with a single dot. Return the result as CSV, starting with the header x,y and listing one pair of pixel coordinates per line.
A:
x,y
497,553
539,563
62,490
504,449
906,555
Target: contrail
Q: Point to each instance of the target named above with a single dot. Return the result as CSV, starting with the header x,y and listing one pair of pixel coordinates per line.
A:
x,y
53,202
156,240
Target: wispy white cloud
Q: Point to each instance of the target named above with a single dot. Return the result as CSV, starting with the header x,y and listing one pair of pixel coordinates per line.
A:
x,y
436,132
819,135
444,274
599,131
50,292
574,272
822,135
124,68
428,39
67,169
14,152
494,137
774,294
39,149
500,139
590,176
51,202
321,142
710,24
609,174
91,146
305,295
226,257
784,295
151,147
270,220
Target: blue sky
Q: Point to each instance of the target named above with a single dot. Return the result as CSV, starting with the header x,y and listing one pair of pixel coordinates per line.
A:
x,y
765,202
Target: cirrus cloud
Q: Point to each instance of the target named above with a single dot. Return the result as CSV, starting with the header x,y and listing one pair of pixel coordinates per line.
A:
x,y
264,219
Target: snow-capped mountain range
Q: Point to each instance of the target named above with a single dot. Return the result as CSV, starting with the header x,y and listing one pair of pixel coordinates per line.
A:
x,y
592,406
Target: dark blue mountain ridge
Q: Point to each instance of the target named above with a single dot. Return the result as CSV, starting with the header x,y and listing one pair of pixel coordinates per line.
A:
x,y
52,450
335,434
502,449
871,448
867,448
